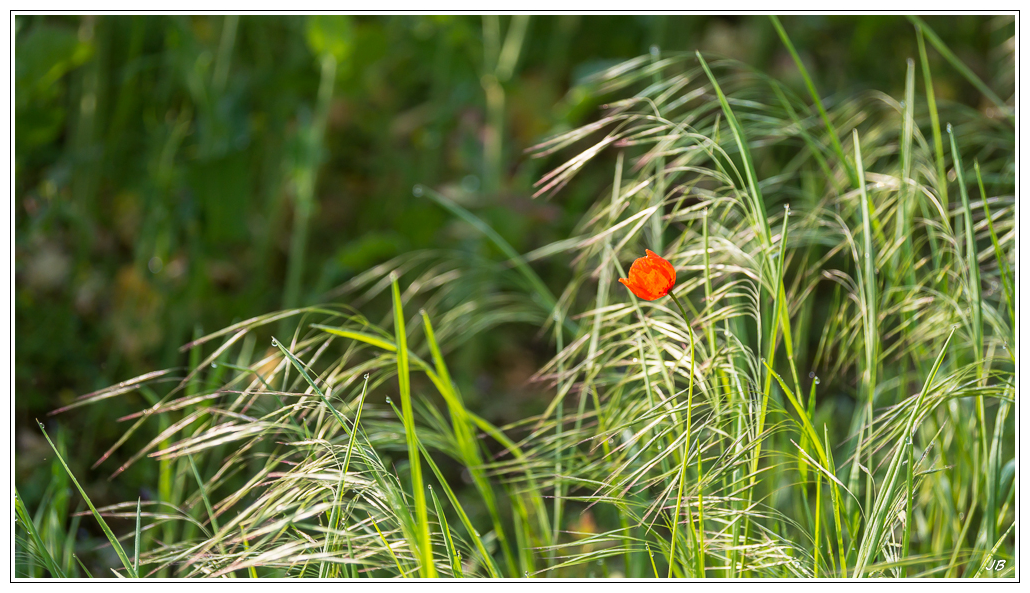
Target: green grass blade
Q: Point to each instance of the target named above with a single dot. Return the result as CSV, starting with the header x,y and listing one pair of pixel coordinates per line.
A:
x,y
972,265
758,204
559,425
464,435
815,97
334,519
400,569
994,550
25,520
935,123
300,367
428,568
870,317
992,483
837,503
973,288
448,542
488,560
126,562
83,567
961,67
139,534
1003,268
359,336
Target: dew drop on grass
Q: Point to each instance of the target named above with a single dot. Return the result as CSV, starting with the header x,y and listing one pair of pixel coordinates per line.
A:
x,y
811,375
949,128
366,376
817,380
418,190
655,50
388,400
214,365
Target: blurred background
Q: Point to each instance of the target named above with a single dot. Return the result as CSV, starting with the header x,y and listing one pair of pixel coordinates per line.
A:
x,y
175,174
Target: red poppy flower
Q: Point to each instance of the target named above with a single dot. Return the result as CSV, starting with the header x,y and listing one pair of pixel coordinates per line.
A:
x,y
650,277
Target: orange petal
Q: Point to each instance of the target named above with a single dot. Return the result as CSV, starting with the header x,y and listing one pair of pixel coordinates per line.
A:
x,y
650,277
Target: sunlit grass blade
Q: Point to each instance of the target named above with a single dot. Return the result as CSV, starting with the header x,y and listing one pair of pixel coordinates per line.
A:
x,y
473,533
400,569
464,434
428,568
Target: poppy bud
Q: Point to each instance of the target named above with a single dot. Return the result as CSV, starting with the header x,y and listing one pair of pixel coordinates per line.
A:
x,y
650,277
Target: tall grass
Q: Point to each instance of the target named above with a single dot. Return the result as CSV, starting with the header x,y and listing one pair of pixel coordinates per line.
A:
x,y
831,399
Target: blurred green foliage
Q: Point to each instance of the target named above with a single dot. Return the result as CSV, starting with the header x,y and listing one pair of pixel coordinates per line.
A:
x,y
177,172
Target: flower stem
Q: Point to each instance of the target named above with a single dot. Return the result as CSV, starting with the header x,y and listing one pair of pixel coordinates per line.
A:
x,y
683,312
699,533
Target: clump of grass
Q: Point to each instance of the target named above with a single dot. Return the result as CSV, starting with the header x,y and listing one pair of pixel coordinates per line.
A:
x,y
832,399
